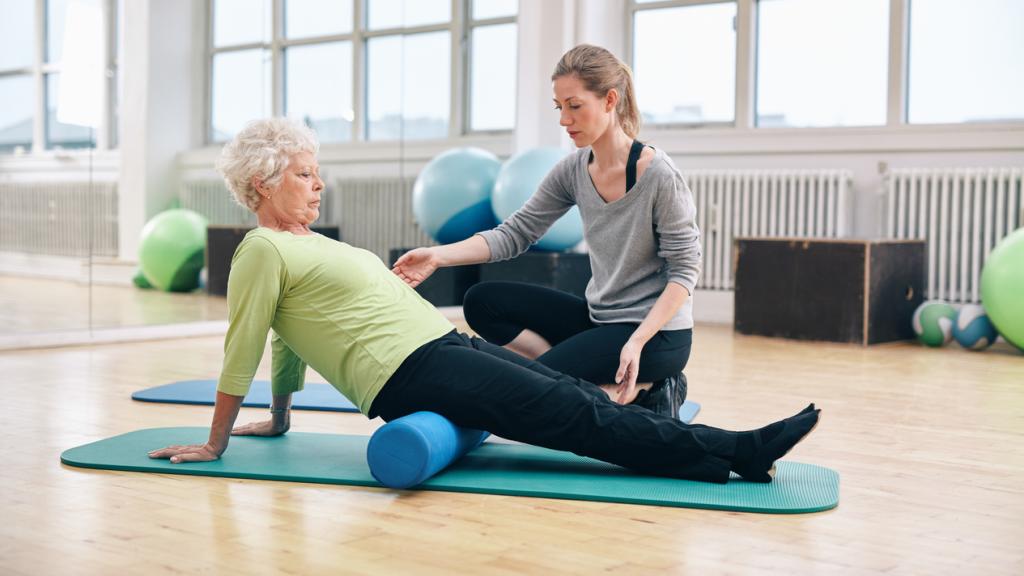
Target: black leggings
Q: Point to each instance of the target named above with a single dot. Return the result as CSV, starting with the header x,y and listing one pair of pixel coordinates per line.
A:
x,y
482,386
499,311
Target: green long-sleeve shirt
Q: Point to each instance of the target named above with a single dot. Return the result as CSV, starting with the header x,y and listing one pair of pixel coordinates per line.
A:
x,y
332,306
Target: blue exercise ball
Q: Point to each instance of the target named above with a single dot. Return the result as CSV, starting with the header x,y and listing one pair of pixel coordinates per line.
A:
x,y
451,200
519,178
972,329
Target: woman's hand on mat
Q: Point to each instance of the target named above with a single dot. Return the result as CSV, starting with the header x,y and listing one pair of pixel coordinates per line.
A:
x,y
268,428
629,367
416,265
193,453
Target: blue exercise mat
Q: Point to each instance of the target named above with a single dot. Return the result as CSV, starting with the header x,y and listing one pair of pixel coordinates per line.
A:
x,y
516,470
315,396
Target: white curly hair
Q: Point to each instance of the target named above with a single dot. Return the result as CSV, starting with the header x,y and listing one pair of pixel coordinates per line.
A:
x,y
262,151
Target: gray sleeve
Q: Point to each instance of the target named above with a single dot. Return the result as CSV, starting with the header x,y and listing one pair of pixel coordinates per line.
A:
x,y
675,225
553,198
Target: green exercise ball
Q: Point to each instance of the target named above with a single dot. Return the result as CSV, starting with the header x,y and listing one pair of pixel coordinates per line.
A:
x,y
172,249
140,280
1002,287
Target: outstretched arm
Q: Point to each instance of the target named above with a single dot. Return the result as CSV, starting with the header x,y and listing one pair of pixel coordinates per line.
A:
x,y
418,264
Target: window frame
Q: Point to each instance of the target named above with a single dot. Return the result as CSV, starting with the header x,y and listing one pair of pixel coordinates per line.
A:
x,y
466,111
745,121
459,29
632,7
105,135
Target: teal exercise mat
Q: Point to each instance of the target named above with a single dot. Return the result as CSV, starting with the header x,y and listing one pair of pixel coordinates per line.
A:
x,y
314,396
507,469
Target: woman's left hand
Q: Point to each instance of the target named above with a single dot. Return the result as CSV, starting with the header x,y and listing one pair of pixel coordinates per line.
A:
x,y
629,367
266,428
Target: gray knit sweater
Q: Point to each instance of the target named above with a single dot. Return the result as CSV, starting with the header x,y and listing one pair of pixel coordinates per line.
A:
x,y
637,244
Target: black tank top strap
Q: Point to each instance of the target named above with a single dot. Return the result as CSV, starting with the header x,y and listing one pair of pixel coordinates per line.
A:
x,y
634,157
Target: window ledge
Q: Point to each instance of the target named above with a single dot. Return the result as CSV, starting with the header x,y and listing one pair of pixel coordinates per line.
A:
x,y
77,162
905,138
413,151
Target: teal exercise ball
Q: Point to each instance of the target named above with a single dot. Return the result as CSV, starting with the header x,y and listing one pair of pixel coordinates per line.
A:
x,y
519,178
1002,287
933,322
451,199
972,328
172,250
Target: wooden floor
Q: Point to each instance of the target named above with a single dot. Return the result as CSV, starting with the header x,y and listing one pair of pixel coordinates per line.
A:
x,y
929,443
32,305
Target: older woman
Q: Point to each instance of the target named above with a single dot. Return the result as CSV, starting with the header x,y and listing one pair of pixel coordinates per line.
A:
x,y
338,309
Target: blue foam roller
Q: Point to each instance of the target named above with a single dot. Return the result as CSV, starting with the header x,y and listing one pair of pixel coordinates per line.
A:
x,y
411,449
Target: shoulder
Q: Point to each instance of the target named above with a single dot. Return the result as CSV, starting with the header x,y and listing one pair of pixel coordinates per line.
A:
x,y
662,171
258,243
647,156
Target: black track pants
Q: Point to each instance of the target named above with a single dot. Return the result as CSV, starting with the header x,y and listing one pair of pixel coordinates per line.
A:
x,y
499,311
483,386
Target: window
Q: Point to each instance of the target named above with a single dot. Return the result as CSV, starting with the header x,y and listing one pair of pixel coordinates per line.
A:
x,y
822,62
312,18
241,90
362,69
492,67
16,104
684,63
59,134
408,86
408,69
318,88
240,69
17,37
385,14
28,81
965,61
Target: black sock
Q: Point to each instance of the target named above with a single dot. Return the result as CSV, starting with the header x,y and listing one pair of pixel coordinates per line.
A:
x,y
746,446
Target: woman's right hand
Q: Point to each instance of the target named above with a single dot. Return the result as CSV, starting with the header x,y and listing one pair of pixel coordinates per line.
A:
x,y
193,453
416,265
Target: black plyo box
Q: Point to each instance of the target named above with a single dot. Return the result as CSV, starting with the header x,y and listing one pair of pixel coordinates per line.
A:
x,y
566,271
221,243
843,290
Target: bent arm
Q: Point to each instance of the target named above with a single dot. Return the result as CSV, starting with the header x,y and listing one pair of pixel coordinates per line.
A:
x,y
671,300
553,198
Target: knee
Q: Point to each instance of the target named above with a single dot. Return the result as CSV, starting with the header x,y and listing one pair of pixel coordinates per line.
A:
x,y
471,304
476,302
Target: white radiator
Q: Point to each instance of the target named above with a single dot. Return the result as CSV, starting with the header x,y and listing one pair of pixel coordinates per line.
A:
x,y
961,213
376,214
766,203
212,199
57,218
